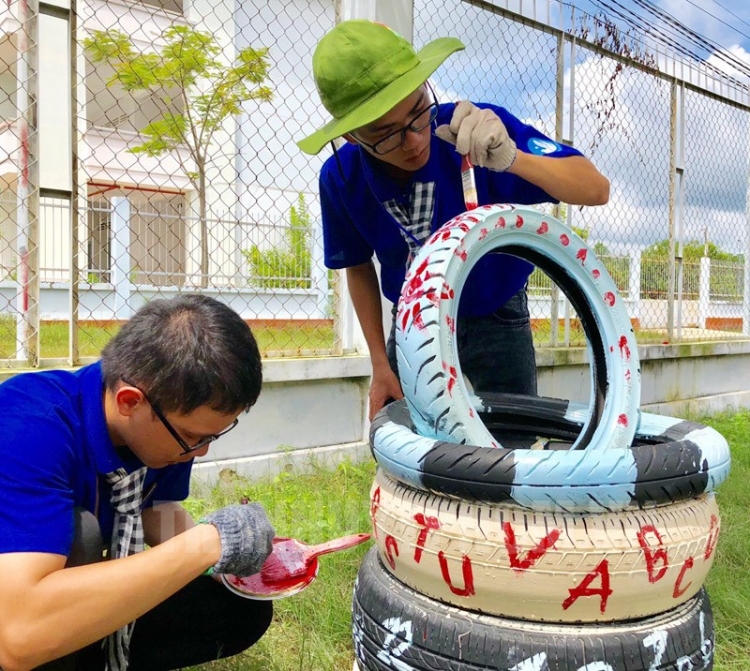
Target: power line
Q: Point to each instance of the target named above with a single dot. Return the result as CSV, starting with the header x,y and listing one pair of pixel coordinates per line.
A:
x,y
713,16
729,11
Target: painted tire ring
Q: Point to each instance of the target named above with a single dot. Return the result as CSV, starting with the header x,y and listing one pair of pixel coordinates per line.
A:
x,y
394,627
670,460
429,369
544,567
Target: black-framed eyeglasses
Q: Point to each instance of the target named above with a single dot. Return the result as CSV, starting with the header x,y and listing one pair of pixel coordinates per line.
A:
x,y
396,139
186,449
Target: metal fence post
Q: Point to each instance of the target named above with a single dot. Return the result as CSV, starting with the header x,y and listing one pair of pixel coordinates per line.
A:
x,y
121,257
318,272
634,283
28,181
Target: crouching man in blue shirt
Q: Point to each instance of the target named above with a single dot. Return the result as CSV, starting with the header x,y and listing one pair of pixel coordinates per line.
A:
x,y
93,464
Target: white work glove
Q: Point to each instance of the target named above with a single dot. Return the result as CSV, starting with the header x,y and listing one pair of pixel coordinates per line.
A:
x,y
481,134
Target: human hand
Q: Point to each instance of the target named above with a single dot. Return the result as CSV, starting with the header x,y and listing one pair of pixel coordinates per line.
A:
x,y
246,538
481,134
384,387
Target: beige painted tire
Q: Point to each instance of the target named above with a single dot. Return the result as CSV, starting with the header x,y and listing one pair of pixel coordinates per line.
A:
x,y
545,567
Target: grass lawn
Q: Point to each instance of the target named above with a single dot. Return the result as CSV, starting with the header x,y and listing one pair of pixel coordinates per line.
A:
x,y
288,340
311,631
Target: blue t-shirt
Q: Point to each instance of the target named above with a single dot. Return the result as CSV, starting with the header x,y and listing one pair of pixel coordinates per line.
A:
x,y
356,225
54,452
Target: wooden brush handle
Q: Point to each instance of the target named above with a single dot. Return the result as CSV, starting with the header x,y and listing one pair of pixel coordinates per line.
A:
x,y
338,544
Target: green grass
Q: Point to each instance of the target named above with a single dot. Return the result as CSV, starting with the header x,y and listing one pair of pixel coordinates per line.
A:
x,y
312,631
289,340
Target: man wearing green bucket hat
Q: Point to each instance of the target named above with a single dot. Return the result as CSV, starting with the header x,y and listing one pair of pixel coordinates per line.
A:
x,y
398,179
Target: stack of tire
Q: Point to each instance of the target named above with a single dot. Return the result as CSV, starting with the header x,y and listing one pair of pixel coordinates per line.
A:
x,y
532,534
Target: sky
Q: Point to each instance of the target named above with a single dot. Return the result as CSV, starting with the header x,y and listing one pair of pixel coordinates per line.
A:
x,y
515,67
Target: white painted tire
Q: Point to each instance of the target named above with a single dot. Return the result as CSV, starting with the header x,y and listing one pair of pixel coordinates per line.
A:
x,y
545,567
395,628
438,400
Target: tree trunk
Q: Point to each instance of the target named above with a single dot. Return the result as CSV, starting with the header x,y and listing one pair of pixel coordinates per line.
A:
x,y
203,228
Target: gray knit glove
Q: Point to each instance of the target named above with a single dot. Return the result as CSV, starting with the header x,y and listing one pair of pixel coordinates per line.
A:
x,y
481,134
246,534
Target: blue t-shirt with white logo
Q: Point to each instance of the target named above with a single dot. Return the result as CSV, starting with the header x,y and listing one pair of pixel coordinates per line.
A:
x,y
54,451
356,224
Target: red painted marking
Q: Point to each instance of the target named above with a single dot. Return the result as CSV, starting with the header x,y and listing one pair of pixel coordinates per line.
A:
x,y
519,221
450,323
461,254
624,349
500,222
374,505
595,272
543,228
653,556
426,523
622,420
452,375
603,592
391,548
581,255
483,233
565,240
713,537
678,589
609,298
533,555
466,570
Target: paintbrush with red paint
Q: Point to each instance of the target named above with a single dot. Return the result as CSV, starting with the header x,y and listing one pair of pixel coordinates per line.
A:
x,y
291,558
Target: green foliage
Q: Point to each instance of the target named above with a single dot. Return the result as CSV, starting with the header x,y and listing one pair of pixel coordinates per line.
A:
x,y
726,270
288,267
187,70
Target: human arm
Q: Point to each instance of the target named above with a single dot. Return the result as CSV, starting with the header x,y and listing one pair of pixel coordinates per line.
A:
x,y
164,521
365,293
482,135
47,612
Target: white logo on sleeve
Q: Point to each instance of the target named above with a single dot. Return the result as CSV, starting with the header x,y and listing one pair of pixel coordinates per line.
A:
x,y
541,146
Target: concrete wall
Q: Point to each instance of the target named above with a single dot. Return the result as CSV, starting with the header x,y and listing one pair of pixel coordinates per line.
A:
x,y
315,409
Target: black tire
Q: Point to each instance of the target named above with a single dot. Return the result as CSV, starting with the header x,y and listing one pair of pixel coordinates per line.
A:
x,y
670,460
395,628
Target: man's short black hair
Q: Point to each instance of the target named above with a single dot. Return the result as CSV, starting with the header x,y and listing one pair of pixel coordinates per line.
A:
x,y
187,352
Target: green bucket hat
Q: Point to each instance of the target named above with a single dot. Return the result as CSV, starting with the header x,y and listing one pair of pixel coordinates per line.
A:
x,y
363,69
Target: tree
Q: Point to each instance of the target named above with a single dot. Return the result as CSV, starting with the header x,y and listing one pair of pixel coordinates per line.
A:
x,y
196,90
724,281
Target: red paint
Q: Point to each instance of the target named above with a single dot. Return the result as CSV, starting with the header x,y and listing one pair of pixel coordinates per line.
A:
x,y
461,254
426,523
447,291
391,548
678,589
654,556
466,570
519,221
624,349
622,420
542,229
500,222
374,505
565,240
595,272
601,572
483,233
533,555
581,255
450,323
452,375
609,298
713,537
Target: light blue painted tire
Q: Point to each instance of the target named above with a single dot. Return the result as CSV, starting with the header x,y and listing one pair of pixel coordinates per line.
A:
x,y
438,399
669,460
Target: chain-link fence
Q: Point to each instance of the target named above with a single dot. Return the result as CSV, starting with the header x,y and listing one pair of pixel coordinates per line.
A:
x,y
148,149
